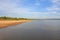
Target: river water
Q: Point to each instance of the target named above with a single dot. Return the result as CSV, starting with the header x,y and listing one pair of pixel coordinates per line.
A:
x,y
35,30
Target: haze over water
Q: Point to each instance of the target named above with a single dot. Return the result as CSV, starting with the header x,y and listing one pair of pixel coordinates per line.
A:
x,y
35,30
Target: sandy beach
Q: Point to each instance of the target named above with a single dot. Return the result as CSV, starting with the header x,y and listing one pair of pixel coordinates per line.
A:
x,y
6,23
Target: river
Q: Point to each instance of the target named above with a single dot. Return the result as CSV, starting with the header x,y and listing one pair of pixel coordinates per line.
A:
x,y
35,30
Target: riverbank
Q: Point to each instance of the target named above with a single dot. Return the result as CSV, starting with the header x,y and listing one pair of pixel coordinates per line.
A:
x,y
6,23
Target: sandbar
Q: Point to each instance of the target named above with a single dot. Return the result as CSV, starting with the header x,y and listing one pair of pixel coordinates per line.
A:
x,y
6,23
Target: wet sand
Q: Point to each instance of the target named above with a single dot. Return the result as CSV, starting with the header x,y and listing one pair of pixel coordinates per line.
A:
x,y
6,23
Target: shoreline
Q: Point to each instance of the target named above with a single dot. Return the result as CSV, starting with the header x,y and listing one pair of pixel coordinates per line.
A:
x,y
6,23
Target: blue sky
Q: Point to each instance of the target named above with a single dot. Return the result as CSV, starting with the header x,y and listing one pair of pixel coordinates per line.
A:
x,y
30,8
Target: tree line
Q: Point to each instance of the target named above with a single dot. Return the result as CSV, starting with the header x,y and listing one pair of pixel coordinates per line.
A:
x,y
11,18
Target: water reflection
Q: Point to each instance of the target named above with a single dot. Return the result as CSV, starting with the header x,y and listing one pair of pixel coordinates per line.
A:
x,y
36,30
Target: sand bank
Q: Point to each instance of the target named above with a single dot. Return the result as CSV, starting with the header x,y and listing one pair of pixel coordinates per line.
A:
x,y
6,23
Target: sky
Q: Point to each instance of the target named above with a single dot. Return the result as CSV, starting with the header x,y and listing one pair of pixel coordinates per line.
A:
x,y
30,8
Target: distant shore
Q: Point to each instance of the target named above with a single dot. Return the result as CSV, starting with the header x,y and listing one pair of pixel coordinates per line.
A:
x,y
6,23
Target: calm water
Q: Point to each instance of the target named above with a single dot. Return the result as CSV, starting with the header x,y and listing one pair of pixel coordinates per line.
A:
x,y
35,30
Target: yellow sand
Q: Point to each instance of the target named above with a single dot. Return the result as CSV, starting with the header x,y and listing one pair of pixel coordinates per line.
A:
x,y
6,23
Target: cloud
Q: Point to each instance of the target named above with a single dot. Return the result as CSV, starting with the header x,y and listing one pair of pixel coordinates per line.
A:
x,y
37,2
55,5
56,2
10,8
45,14
7,6
13,8
53,8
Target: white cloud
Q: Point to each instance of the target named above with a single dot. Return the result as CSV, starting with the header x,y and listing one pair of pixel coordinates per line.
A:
x,y
44,12
37,2
10,7
53,8
7,6
56,2
55,5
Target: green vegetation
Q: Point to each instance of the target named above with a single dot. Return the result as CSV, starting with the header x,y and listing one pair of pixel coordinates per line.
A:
x,y
11,18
